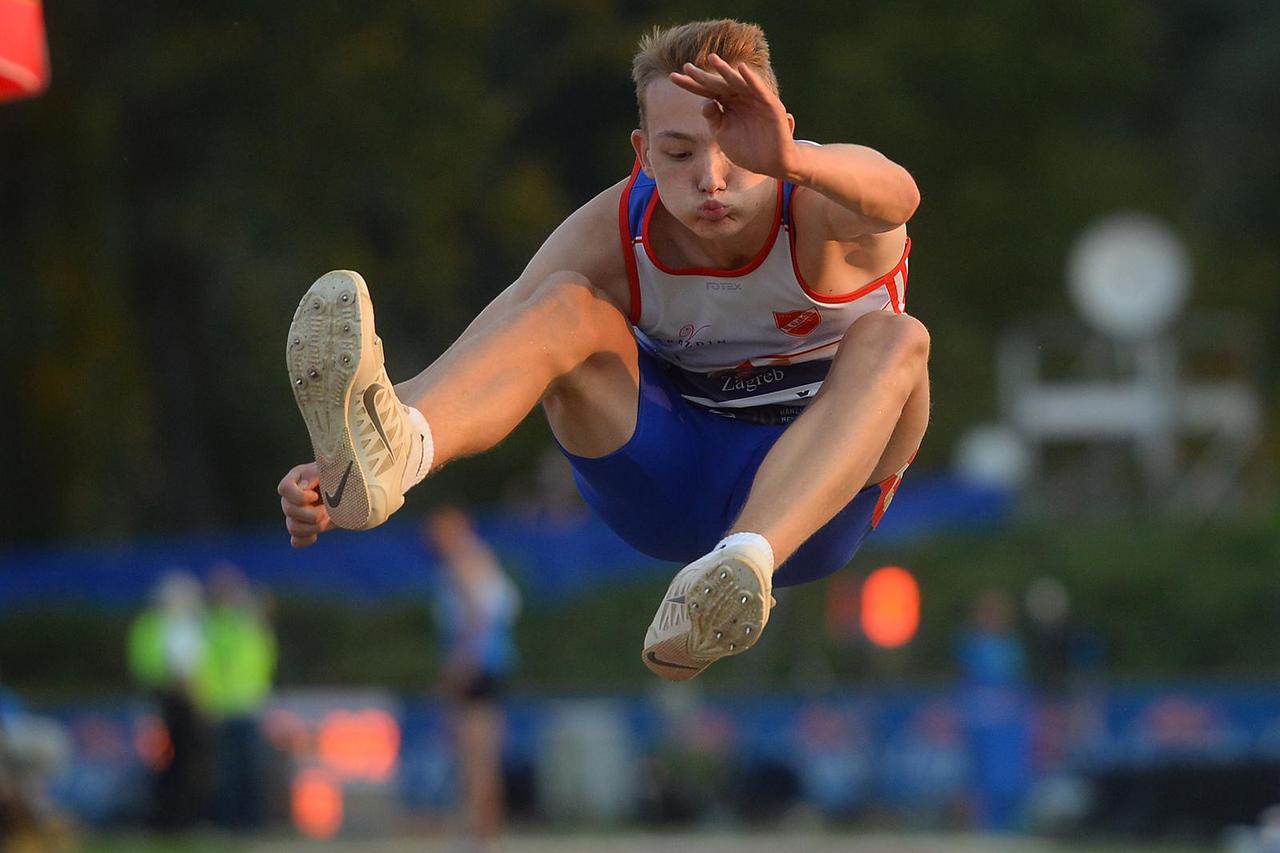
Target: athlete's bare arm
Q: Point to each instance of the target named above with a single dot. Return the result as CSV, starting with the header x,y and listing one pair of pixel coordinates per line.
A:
x,y
569,304
865,192
853,201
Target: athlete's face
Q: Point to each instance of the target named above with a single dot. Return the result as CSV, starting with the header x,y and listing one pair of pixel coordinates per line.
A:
x,y
698,184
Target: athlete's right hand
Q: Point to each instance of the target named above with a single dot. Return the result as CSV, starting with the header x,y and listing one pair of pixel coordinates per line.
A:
x,y
305,515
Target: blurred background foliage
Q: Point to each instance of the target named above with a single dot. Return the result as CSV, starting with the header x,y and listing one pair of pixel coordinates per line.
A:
x,y
193,168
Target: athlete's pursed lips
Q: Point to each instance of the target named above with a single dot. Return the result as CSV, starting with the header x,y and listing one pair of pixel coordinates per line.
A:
x,y
713,210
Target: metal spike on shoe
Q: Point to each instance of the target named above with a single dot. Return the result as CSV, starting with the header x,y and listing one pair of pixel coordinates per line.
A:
x,y
357,426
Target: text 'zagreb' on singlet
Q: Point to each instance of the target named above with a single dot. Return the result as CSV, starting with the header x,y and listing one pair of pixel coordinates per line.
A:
x,y
752,343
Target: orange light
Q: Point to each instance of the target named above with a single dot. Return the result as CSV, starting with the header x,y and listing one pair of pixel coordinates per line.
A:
x,y
317,804
24,58
359,745
890,607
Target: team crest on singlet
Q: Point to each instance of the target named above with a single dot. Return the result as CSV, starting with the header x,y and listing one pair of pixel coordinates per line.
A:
x,y
798,324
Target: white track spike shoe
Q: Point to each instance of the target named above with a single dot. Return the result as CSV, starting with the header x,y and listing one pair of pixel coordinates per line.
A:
x,y
715,606
359,430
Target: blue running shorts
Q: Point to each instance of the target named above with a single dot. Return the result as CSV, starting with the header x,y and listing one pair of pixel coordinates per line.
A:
x,y
681,479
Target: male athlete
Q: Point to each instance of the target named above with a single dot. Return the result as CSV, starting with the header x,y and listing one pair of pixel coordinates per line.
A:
x,y
718,341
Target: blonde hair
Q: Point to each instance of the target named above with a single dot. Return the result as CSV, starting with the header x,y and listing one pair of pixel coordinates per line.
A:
x,y
662,51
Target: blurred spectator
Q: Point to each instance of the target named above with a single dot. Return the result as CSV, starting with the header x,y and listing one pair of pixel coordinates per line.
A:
x,y
1065,653
476,608
692,775
927,769
1048,609
990,653
993,675
166,650
234,682
834,759
1066,663
33,750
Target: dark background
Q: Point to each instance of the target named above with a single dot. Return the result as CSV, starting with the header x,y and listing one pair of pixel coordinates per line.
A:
x,y
192,170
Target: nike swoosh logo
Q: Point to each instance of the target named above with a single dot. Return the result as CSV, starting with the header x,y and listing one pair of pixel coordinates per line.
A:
x,y
679,599
653,658
369,394
336,498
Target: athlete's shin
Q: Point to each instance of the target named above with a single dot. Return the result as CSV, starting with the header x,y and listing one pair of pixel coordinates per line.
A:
x,y
530,342
838,446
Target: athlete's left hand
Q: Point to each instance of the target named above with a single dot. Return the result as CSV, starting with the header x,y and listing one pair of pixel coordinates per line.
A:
x,y
748,120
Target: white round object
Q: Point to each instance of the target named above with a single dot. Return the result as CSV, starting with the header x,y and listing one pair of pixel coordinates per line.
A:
x,y
1129,275
992,455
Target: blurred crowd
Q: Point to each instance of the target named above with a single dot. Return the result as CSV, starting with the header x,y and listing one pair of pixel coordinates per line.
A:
x,y
1025,736
206,655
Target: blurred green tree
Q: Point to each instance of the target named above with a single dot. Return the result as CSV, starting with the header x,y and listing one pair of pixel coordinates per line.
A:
x,y
193,168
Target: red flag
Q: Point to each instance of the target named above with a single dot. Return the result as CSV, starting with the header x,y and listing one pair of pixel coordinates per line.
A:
x,y
24,59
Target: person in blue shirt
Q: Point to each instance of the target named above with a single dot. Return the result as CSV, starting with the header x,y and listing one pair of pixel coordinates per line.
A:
x,y
476,608
993,671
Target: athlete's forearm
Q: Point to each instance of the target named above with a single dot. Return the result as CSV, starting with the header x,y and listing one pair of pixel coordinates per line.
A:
x,y
859,179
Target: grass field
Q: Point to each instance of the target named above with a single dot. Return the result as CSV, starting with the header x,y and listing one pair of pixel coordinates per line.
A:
x,y
711,842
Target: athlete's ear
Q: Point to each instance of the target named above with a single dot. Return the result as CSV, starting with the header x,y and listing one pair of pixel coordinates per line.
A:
x,y
791,123
640,142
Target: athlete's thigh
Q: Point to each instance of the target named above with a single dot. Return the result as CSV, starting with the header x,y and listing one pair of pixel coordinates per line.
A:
x,y
592,407
651,490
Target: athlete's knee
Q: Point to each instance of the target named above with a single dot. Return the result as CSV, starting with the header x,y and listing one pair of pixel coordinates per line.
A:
x,y
899,338
912,338
563,294
568,303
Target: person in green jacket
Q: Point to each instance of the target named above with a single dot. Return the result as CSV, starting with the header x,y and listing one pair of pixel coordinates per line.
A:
x,y
234,682
166,652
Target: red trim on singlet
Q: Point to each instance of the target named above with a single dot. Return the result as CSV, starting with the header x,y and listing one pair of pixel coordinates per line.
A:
x,y
744,270
891,285
901,307
628,251
885,280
